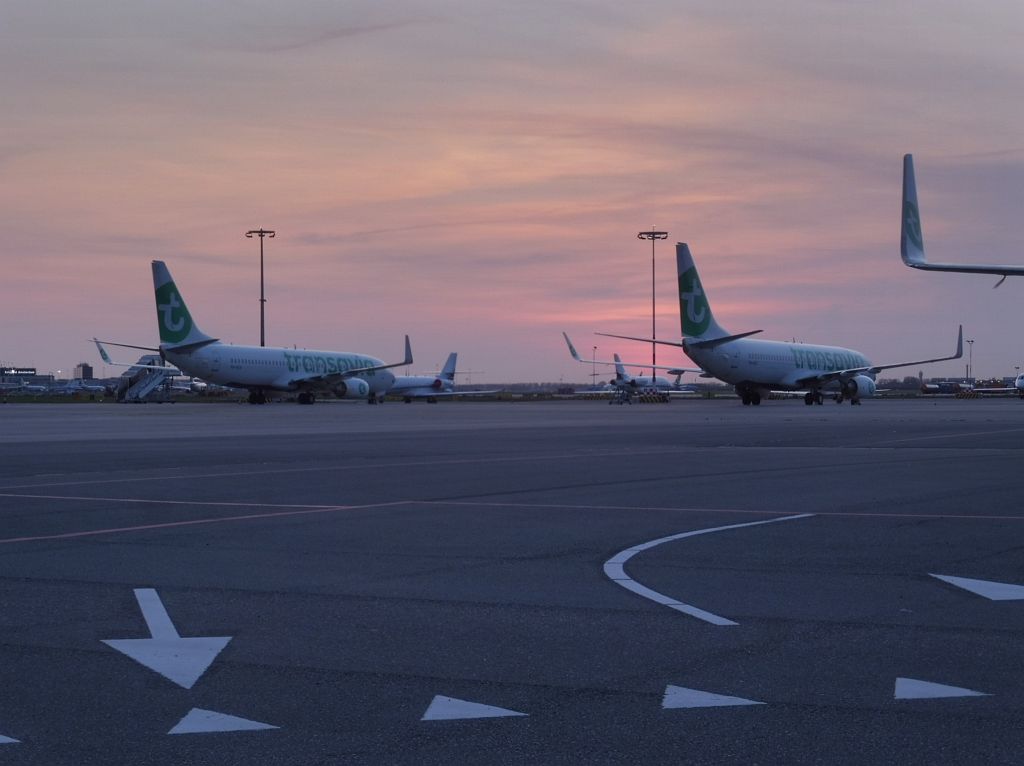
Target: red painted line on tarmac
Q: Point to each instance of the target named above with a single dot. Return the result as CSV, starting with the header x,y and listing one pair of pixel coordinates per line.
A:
x,y
191,522
617,454
950,435
24,496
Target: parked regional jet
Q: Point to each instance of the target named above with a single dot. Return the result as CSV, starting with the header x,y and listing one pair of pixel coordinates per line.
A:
x,y
431,387
262,369
912,239
624,382
1016,388
756,367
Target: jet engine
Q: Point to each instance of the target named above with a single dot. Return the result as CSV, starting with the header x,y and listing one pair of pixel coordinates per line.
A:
x,y
352,388
858,387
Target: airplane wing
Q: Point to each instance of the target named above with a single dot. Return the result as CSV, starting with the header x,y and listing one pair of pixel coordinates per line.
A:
x,y
327,379
707,343
135,365
912,239
842,374
646,365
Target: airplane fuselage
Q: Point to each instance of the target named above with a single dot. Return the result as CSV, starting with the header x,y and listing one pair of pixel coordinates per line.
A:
x,y
642,382
260,368
769,364
420,386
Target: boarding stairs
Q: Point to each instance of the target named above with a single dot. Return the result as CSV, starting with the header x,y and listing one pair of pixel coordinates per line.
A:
x,y
145,383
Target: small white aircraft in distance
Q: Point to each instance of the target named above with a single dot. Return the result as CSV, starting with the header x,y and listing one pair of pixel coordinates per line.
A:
x,y
29,388
77,385
432,387
912,238
1016,388
629,384
758,367
262,369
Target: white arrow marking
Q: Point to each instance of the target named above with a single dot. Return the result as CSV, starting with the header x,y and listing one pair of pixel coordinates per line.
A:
x,y
7,740
680,696
913,689
451,709
181,660
199,721
994,591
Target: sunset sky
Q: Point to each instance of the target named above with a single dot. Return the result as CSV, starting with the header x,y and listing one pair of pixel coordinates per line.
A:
x,y
474,174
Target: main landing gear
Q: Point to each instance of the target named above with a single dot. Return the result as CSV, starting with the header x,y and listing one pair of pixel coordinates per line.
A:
x,y
257,397
814,397
750,397
840,399
305,397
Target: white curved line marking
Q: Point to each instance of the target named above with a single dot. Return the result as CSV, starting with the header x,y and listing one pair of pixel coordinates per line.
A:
x,y
613,568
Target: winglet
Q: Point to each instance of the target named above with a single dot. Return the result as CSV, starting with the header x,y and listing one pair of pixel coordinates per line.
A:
x,y
959,343
911,236
572,348
103,352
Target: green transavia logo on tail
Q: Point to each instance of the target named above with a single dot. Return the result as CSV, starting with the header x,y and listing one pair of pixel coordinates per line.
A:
x,y
912,224
175,321
694,306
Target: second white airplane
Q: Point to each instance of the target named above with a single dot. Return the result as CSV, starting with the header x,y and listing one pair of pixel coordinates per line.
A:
x,y
757,367
433,387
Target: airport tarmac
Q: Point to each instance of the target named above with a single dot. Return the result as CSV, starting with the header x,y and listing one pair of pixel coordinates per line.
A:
x,y
522,583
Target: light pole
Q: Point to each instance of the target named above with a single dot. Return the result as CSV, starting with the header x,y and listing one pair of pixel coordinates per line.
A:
x,y
593,368
261,233
653,235
970,361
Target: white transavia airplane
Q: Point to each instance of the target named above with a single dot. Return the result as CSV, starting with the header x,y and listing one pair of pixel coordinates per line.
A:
x,y
912,239
432,387
623,381
262,369
757,367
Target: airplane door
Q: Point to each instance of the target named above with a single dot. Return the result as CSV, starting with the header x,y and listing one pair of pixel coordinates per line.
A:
x,y
214,360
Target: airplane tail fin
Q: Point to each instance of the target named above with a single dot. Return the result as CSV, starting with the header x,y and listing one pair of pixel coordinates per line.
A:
x,y
620,370
448,371
694,310
911,238
176,326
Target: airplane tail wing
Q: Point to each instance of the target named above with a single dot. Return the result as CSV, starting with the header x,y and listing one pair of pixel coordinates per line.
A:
x,y
694,310
177,329
911,237
448,371
620,370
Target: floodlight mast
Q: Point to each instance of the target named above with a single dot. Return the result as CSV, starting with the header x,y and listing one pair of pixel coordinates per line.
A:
x,y
653,235
261,233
